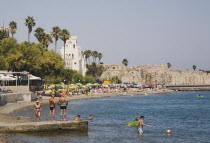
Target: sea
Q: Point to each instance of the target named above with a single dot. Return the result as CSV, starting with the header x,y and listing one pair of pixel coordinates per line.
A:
x,y
184,113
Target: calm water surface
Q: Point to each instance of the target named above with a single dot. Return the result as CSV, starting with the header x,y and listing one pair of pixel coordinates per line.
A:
x,y
185,114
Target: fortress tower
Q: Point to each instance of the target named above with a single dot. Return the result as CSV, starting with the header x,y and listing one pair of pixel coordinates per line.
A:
x,y
74,59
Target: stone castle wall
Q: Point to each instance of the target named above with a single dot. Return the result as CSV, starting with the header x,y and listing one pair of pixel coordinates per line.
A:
x,y
156,74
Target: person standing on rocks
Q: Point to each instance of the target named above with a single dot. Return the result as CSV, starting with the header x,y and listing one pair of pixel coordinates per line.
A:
x,y
38,108
52,107
63,104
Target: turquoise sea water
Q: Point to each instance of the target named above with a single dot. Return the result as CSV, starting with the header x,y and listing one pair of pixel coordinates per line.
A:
x,y
185,114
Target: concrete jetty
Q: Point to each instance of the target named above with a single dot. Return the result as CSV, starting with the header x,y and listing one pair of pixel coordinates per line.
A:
x,y
80,126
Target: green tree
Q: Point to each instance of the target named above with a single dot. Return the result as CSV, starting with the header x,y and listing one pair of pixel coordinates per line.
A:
x,y
87,54
6,45
47,40
77,77
115,79
194,67
95,70
68,74
4,33
55,33
100,56
94,55
2,63
64,36
39,34
53,79
13,27
50,63
30,23
89,79
125,62
169,65
30,57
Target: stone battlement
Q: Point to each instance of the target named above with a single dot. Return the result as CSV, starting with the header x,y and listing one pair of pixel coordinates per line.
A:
x,y
156,74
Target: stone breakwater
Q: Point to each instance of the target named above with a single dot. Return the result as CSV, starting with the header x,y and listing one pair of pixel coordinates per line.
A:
x,y
80,126
156,74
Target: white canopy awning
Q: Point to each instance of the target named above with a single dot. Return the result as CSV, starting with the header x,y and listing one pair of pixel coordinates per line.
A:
x,y
32,77
2,77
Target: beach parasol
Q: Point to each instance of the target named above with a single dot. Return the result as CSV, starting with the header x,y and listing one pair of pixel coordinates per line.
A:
x,y
73,87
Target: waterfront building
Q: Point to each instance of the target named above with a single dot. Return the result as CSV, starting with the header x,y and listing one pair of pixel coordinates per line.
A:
x,y
74,58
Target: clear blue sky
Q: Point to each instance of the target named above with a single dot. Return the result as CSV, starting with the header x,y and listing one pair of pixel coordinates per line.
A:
x,y
150,32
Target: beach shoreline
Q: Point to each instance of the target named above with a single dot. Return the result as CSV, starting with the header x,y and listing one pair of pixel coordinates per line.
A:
x,y
7,110
14,107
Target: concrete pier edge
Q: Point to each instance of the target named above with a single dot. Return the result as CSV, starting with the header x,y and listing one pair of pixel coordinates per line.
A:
x,y
47,126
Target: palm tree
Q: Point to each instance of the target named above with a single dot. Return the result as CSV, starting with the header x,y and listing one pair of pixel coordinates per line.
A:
x,y
30,23
100,56
39,34
169,65
64,36
194,67
47,39
94,55
55,33
87,54
125,62
13,27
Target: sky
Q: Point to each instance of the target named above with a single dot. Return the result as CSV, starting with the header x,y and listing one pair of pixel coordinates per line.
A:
x,y
146,32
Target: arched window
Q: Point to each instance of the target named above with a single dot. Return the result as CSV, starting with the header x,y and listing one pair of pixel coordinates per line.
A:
x,y
72,56
74,46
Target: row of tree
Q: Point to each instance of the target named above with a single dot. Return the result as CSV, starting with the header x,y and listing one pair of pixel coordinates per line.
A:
x,y
44,38
94,54
193,67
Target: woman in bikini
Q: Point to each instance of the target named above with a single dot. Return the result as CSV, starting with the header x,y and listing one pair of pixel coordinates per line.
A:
x,y
38,108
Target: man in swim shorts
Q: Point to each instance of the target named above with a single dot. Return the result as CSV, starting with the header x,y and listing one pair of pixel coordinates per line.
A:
x,y
141,124
63,104
38,108
52,107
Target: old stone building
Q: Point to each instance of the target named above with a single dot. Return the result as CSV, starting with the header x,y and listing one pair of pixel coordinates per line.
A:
x,y
74,59
156,74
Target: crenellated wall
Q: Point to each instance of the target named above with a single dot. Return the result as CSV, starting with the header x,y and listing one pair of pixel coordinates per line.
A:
x,y
152,74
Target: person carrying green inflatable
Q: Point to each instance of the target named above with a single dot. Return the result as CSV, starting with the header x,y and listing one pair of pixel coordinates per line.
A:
x,y
133,123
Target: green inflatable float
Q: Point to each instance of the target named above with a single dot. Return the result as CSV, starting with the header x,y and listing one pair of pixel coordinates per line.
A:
x,y
132,123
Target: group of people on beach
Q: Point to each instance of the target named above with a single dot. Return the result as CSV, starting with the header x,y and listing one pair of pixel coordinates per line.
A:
x,y
62,102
